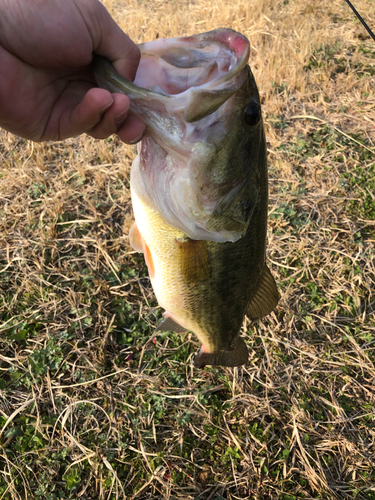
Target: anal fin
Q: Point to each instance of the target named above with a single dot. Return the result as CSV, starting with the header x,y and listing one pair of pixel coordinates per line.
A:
x,y
266,297
170,325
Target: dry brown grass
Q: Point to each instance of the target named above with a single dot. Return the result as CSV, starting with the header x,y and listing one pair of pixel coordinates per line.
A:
x,y
92,404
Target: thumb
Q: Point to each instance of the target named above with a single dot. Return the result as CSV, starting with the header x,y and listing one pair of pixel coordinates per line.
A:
x,y
110,41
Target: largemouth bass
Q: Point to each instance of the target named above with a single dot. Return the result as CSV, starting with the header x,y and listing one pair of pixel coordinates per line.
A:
x,y
199,187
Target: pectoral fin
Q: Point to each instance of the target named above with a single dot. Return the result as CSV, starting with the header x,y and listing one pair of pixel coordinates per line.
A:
x,y
149,260
139,244
266,297
235,357
135,238
193,260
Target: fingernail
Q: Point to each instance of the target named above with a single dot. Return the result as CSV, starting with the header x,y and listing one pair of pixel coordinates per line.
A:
x,y
106,107
119,120
137,139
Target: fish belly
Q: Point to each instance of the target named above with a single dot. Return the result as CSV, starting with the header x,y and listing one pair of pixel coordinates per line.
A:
x,y
167,282
208,299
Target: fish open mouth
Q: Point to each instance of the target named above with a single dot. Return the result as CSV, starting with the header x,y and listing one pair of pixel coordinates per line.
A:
x,y
193,70
178,64
194,162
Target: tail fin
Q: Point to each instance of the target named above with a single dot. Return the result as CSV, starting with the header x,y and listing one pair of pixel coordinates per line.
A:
x,y
235,357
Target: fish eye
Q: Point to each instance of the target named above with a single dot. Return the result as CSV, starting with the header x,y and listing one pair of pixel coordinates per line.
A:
x,y
252,113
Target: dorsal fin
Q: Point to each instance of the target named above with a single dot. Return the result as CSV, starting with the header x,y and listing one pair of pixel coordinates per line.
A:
x,y
266,297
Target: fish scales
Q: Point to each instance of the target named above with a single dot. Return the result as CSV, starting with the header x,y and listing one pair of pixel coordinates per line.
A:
x,y
200,190
202,306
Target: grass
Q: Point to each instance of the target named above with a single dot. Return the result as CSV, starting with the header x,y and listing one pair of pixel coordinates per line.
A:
x,y
93,403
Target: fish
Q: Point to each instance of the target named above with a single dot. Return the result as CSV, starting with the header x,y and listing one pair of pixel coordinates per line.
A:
x,y
199,187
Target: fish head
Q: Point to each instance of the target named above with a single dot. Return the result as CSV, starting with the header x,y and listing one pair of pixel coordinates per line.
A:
x,y
201,162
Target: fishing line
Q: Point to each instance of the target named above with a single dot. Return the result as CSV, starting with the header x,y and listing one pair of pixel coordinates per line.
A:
x,y
361,19
187,70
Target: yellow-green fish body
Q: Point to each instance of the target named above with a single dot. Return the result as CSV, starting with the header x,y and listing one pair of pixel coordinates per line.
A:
x,y
204,286
199,187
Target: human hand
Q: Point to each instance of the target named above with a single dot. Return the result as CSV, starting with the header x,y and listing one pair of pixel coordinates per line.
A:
x,y
47,88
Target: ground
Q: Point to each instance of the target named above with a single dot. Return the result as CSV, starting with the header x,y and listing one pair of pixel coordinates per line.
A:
x,y
93,404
